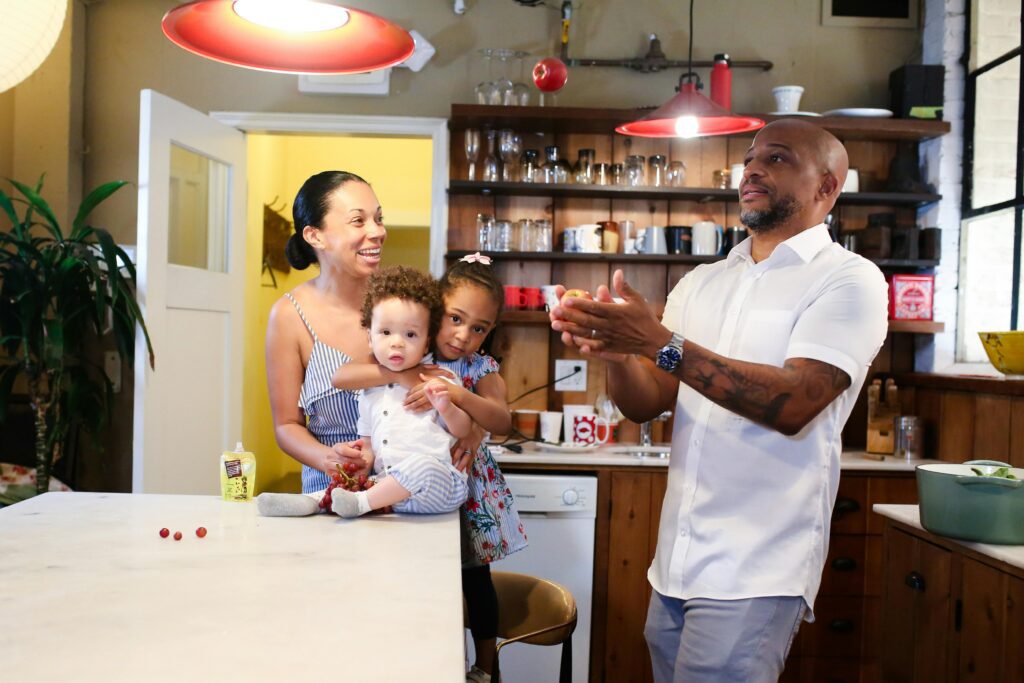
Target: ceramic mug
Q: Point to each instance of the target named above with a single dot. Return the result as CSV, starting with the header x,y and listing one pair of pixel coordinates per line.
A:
x,y
652,240
533,299
590,238
707,238
514,298
589,430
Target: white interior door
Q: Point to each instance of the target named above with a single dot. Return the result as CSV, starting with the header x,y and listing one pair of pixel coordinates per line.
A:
x,y
191,247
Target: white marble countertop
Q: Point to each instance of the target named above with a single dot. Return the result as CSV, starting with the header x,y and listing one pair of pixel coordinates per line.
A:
x,y
533,454
911,516
90,592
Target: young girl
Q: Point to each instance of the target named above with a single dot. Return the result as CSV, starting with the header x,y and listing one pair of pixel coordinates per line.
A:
x,y
473,298
410,451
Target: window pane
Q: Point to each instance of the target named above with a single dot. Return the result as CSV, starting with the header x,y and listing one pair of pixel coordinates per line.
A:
x,y
995,135
986,279
996,29
197,224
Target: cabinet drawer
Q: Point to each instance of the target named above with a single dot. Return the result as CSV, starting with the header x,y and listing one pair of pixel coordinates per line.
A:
x,y
850,512
844,566
837,630
830,670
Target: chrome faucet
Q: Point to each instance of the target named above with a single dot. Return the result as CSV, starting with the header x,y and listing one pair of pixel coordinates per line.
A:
x,y
645,433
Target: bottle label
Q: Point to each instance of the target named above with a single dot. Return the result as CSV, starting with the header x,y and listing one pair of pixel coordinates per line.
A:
x,y
233,468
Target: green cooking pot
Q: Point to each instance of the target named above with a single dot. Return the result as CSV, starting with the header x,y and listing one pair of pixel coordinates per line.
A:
x,y
957,502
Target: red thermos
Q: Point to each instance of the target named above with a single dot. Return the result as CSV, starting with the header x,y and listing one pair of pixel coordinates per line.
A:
x,y
721,82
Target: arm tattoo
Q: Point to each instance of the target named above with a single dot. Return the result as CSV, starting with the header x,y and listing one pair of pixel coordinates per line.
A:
x,y
783,398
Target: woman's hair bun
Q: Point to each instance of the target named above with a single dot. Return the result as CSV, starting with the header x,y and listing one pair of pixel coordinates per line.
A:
x,y
299,253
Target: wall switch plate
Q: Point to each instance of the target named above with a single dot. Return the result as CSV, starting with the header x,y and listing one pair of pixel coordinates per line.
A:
x,y
577,382
112,366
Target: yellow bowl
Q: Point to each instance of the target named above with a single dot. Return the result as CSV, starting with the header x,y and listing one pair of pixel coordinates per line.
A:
x,y
1005,351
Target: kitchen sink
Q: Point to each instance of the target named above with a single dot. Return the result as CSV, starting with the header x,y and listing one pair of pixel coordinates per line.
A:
x,y
637,451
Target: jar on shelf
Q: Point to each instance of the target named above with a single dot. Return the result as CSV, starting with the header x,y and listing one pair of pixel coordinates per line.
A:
x,y
484,228
635,175
542,234
529,168
585,167
602,174
676,174
555,170
618,174
501,236
656,170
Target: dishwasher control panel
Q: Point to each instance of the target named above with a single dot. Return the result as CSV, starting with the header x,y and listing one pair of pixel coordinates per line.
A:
x,y
554,492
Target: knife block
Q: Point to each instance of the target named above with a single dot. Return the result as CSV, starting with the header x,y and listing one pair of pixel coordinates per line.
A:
x,y
881,418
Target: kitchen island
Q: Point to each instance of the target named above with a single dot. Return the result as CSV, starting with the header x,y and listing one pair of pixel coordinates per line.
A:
x,y
91,592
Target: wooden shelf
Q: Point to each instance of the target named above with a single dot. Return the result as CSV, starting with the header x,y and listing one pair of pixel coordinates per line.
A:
x,y
652,258
695,194
916,326
895,326
604,121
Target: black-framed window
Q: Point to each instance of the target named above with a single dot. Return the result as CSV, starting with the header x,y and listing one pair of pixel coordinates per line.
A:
x,y
990,287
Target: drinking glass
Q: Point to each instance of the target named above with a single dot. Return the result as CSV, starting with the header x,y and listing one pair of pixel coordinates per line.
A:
x,y
520,90
555,170
602,174
676,174
501,236
542,234
529,169
484,226
635,170
504,84
585,167
510,147
487,90
472,141
618,174
656,171
527,236
492,167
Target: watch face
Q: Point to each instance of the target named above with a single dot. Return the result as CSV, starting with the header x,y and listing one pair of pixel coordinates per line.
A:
x,y
668,358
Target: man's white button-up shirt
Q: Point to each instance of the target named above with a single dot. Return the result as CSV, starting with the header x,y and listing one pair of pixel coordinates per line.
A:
x,y
747,509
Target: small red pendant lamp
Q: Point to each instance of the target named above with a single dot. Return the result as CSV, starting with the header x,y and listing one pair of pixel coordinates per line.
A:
x,y
293,36
689,114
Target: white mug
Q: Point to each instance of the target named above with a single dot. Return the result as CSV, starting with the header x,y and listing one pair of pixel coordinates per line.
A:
x,y
735,176
590,238
852,183
551,426
707,238
652,240
585,430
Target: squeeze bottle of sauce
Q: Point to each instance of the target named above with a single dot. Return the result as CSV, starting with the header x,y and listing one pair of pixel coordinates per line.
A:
x,y
721,82
237,474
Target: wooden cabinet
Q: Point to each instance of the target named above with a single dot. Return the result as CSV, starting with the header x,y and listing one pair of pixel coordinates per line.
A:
x,y
949,613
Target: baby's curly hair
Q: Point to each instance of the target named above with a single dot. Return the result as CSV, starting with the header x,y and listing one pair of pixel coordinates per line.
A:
x,y
407,284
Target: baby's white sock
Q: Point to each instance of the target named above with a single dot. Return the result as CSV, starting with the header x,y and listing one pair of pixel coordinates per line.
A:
x,y
286,504
349,504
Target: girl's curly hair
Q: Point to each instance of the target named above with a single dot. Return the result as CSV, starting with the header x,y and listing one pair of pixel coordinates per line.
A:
x,y
470,273
407,284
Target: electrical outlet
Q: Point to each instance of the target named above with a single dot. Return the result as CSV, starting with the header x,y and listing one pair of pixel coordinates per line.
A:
x,y
575,382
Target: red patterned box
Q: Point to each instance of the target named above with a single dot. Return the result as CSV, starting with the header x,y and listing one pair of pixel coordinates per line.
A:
x,y
911,296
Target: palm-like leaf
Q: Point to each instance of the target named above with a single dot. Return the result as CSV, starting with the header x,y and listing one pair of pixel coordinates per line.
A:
x,y
58,291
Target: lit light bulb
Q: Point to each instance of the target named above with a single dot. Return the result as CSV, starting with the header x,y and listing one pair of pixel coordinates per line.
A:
x,y
686,126
300,16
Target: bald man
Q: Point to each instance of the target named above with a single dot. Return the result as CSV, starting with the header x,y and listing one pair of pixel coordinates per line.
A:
x,y
761,356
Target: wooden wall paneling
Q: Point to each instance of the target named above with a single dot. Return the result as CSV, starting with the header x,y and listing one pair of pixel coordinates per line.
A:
x,y
462,212
991,427
524,351
458,165
522,273
688,212
599,596
570,145
513,209
903,350
648,279
737,147
626,652
676,272
688,151
714,156
871,159
890,490
624,145
956,431
928,408
1017,435
1013,653
571,211
643,212
538,141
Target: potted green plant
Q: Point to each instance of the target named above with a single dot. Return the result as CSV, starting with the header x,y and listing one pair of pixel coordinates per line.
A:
x,y
58,291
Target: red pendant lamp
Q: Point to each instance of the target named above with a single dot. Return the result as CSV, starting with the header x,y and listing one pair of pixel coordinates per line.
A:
x,y
689,114
288,36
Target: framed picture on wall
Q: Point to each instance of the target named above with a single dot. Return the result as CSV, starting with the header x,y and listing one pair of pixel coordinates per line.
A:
x,y
870,13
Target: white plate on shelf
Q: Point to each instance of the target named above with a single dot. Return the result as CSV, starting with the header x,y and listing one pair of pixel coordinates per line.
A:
x,y
567,447
793,113
861,112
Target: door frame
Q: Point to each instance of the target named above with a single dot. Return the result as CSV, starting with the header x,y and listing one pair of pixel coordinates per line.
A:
x,y
434,128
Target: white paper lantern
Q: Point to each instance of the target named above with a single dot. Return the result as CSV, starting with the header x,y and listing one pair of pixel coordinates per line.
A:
x,y
28,32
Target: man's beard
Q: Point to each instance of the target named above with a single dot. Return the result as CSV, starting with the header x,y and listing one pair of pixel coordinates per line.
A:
x,y
766,220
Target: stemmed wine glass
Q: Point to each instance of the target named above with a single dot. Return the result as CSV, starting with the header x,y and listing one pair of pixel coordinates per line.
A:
x,y
492,167
510,147
521,91
487,91
472,141
504,84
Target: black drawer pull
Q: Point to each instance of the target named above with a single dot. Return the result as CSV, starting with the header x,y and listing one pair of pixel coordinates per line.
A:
x,y
845,506
841,625
844,564
915,581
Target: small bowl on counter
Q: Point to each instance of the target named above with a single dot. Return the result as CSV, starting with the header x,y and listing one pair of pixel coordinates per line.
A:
x,y
979,500
1005,351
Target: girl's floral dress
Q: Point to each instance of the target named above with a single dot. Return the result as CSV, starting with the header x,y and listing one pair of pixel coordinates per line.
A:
x,y
491,518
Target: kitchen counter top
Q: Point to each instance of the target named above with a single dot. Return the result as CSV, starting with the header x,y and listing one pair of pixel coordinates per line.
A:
x,y
910,515
91,592
533,454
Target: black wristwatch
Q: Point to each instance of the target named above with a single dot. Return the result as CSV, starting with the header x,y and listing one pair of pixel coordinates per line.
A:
x,y
671,354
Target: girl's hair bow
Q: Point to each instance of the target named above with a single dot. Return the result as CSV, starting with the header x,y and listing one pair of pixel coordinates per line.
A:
x,y
476,258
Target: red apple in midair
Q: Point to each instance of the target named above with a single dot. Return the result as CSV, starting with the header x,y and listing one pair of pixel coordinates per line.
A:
x,y
550,74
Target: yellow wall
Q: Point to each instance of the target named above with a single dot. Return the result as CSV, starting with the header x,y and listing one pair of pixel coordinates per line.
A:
x,y
399,170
